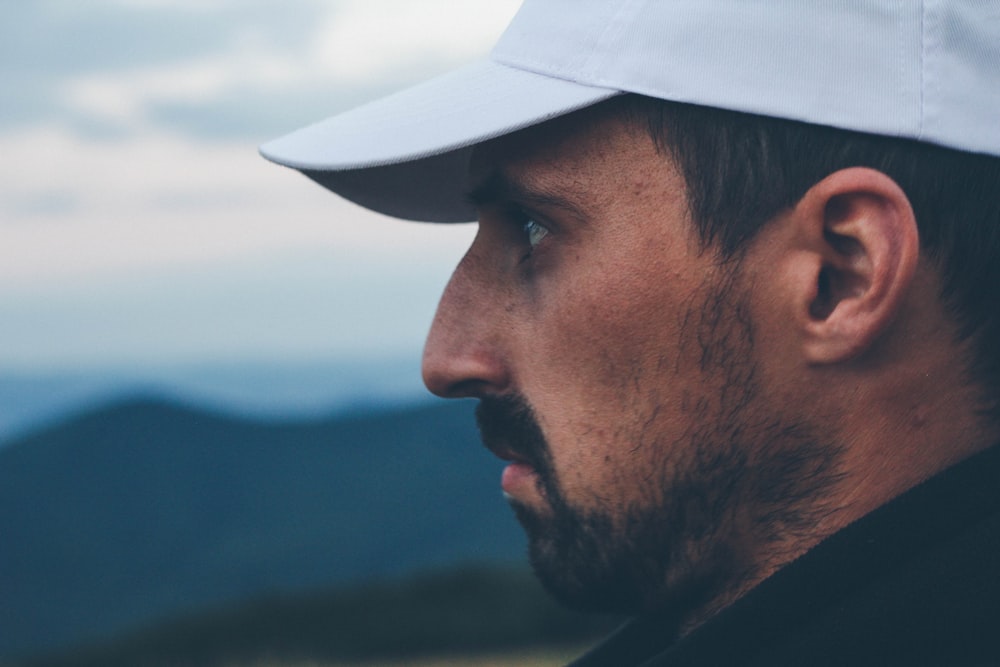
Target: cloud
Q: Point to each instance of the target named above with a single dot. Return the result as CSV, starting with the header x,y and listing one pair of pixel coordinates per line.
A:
x,y
366,39
104,65
159,249
112,68
132,98
138,221
55,39
165,200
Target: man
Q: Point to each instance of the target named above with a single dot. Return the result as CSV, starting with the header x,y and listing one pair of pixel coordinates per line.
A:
x,y
730,313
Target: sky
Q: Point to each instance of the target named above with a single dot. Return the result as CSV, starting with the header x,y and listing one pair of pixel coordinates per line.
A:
x,y
138,225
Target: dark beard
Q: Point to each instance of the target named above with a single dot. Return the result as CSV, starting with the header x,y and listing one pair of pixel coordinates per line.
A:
x,y
740,475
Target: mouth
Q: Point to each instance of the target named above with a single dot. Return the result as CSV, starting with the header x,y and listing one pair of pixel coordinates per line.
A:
x,y
518,480
505,453
509,431
519,477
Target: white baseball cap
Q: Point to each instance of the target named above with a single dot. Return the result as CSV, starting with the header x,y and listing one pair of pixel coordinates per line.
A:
x,y
921,69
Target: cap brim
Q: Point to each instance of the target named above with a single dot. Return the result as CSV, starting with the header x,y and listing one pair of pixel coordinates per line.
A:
x,y
407,155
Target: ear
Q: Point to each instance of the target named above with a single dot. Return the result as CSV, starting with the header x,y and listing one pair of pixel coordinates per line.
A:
x,y
861,245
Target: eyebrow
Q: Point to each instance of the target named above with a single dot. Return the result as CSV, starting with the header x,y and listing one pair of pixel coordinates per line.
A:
x,y
498,189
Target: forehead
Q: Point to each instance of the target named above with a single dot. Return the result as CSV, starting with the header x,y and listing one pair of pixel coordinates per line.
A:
x,y
579,155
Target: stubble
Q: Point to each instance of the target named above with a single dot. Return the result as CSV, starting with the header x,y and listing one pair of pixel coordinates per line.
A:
x,y
740,482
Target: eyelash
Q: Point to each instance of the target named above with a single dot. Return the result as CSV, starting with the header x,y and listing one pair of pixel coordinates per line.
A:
x,y
534,231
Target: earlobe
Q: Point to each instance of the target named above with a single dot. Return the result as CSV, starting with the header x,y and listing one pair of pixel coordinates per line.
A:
x,y
864,237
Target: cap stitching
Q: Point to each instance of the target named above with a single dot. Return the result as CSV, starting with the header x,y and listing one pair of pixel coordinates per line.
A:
x,y
611,33
921,120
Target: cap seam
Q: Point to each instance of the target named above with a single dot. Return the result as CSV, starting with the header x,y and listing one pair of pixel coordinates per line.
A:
x,y
610,33
922,109
535,66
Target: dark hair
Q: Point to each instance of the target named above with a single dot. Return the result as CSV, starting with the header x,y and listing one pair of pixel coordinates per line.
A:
x,y
742,169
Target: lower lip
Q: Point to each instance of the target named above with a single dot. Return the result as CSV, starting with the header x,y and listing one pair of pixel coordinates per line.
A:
x,y
516,477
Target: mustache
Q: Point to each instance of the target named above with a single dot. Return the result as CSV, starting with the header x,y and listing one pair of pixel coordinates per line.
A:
x,y
509,429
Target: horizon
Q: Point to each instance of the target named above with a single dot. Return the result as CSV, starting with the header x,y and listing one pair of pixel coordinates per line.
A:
x,y
257,390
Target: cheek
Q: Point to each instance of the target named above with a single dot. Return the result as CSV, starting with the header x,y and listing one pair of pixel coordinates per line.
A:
x,y
603,373
609,330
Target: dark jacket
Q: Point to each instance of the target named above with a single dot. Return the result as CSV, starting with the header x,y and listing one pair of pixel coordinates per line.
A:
x,y
916,582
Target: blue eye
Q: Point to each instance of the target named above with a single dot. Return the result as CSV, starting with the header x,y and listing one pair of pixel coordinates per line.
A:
x,y
534,232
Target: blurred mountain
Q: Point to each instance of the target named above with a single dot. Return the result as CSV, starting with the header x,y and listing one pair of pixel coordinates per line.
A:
x,y
459,616
148,509
30,400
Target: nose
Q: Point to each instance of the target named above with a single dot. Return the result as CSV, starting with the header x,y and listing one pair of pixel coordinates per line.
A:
x,y
463,355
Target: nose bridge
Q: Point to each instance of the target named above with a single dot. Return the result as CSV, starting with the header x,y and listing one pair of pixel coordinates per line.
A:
x,y
462,354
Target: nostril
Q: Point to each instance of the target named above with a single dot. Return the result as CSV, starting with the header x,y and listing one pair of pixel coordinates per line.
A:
x,y
459,375
469,389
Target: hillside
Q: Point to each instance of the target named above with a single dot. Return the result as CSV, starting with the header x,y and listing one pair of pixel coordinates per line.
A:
x,y
460,615
148,509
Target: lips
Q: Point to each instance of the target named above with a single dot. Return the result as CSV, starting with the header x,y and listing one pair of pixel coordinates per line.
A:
x,y
505,452
518,479
509,430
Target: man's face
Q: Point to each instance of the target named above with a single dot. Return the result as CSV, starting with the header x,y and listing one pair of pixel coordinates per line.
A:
x,y
615,362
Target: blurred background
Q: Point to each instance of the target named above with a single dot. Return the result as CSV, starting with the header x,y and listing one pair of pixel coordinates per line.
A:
x,y
214,443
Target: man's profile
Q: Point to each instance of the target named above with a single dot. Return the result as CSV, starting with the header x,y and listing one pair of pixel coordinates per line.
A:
x,y
731,313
